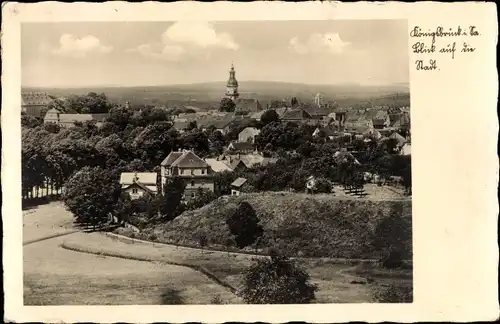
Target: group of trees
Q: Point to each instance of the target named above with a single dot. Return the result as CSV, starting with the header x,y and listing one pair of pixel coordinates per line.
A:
x,y
273,280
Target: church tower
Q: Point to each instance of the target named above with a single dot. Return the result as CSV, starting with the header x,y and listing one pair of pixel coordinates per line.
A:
x,y
232,86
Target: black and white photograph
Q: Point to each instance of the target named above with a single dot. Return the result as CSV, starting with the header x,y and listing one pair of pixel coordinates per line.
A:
x,y
216,162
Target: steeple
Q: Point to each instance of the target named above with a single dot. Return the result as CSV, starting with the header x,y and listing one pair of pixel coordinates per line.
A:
x,y
232,85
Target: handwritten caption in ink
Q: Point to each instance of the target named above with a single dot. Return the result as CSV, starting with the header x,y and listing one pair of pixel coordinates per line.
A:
x,y
441,42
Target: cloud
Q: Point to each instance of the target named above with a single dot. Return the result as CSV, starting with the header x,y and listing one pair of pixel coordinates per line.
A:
x,y
319,43
72,46
160,51
182,39
198,34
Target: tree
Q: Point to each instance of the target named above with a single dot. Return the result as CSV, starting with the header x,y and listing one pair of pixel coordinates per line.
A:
x,y
202,239
277,280
202,198
392,238
227,105
170,199
269,116
91,195
244,225
30,121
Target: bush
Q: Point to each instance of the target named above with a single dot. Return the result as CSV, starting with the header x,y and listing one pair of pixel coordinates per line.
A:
x,y
277,280
217,300
394,293
244,225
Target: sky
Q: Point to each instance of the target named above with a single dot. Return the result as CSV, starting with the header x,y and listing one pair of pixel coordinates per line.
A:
x,y
79,54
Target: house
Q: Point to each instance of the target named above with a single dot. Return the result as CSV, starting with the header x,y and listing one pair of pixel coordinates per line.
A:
x,y
246,161
218,165
139,185
381,123
296,115
405,149
240,147
221,125
326,132
257,115
247,105
372,133
310,184
181,126
248,134
195,172
69,120
400,140
34,103
238,186
343,156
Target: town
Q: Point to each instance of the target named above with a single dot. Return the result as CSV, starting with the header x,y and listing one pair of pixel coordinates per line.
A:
x,y
218,180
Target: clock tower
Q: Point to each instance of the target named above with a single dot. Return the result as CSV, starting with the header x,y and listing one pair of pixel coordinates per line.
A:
x,y
232,86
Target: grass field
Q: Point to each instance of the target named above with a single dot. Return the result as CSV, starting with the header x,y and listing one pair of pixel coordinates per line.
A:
x,y
55,276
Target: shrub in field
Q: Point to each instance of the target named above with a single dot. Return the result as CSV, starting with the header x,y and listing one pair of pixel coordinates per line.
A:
x,y
217,300
323,186
244,225
394,293
202,239
277,280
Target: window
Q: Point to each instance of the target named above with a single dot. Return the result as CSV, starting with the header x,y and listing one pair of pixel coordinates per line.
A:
x,y
134,190
192,171
192,183
202,171
192,195
182,171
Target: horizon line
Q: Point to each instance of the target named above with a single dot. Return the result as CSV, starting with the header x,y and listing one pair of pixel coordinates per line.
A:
x,y
209,82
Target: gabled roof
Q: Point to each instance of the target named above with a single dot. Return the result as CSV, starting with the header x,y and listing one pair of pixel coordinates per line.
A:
x,y
251,105
217,165
257,115
150,189
171,158
71,118
241,146
181,125
217,123
378,122
400,139
189,160
327,130
344,156
239,182
296,114
35,98
253,130
146,178
372,132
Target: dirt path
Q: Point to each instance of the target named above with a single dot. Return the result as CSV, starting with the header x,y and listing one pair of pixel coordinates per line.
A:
x,y
55,276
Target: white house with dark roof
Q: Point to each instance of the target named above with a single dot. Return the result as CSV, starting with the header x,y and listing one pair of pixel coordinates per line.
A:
x,y
185,164
238,186
139,184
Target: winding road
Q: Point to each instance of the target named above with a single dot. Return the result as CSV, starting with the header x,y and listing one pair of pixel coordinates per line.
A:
x,y
56,276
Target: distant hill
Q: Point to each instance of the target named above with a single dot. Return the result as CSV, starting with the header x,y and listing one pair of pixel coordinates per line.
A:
x,y
211,92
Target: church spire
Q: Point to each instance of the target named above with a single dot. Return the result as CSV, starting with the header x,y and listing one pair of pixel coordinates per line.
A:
x,y
232,85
